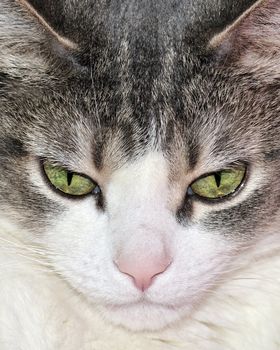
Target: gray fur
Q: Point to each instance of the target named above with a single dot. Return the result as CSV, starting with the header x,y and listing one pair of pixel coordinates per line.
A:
x,y
100,85
142,76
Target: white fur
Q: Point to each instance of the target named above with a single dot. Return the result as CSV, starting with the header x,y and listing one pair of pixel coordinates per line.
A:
x,y
40,309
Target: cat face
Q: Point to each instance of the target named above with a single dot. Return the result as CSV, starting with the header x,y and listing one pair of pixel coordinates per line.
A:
x,y
144,124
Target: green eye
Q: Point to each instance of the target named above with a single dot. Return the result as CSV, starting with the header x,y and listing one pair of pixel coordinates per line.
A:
x,y
68,182
219,184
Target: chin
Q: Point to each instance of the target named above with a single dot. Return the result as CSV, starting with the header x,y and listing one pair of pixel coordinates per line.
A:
x,y
144,316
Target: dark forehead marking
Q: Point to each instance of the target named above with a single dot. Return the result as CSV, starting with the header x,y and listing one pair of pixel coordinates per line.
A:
x,y
185,109
128,139
169,136
193,152
146,65
10,146
97,153
191,148
123,140
272,154
3,78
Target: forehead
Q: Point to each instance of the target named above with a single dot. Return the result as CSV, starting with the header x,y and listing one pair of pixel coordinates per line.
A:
x,y
136,95
186,120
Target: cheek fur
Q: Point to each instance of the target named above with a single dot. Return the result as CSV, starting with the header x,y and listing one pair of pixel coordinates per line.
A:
x,y
84,244
83,248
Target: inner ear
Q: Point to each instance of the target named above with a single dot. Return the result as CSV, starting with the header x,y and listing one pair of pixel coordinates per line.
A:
x,y
66,43
231,31
253,41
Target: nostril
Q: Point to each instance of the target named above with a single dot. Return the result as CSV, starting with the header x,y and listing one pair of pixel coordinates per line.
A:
x,y
143,273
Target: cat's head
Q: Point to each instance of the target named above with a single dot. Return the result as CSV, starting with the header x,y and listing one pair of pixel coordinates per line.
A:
x,y
141,163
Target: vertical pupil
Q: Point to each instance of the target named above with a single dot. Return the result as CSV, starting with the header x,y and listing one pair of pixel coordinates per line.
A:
x,y
218,179
69,178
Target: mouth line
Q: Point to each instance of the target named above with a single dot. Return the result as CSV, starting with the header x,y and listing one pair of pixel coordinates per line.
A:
x,y
143,302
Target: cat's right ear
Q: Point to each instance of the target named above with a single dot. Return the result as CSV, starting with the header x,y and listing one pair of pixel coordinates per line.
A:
x,y
26,39
252,42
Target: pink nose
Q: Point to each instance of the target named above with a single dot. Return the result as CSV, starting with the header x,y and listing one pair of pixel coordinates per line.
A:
x,y
143,273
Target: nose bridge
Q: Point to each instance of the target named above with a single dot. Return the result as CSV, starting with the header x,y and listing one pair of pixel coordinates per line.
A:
x,y
140,220
141,229
142,183
143,247
142,240
145,202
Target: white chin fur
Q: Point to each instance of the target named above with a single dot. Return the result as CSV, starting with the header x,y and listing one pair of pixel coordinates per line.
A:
x,y
144,316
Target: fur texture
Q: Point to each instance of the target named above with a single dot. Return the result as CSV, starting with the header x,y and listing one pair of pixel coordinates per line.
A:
x,y
143,97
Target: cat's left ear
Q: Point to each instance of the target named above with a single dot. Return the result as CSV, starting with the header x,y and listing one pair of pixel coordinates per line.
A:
x,y
29,45
63,41
252,42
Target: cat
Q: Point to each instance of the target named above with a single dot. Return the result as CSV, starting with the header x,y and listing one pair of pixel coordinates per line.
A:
x,y
139,182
